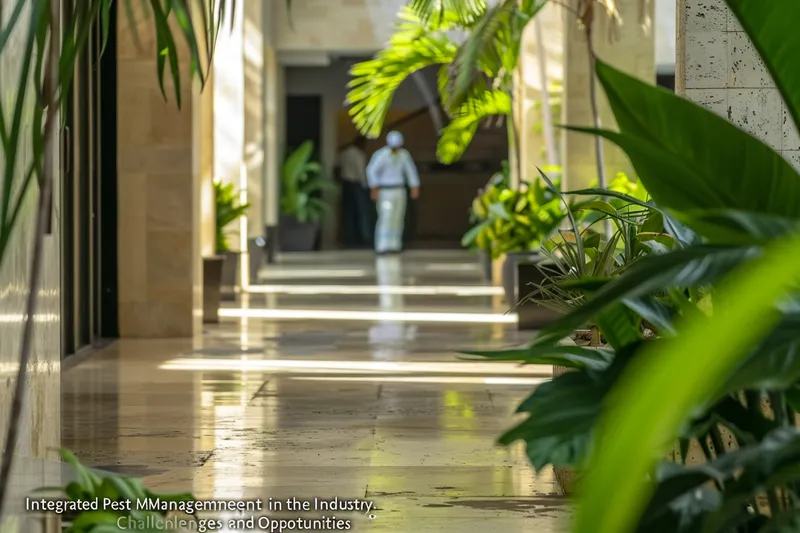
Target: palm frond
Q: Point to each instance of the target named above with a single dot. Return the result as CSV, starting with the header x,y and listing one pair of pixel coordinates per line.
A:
x,y
445,83
462,12
457,135
413,47
492,47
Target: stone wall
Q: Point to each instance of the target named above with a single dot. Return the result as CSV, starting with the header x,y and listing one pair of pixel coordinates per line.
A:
x,y
347,26
159,191
40,435
719,69
633,52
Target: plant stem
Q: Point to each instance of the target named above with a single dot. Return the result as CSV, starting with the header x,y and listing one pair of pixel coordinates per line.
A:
x,y
513,152
598,141
547,112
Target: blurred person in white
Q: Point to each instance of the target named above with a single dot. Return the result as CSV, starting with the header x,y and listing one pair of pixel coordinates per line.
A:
x,y
390,172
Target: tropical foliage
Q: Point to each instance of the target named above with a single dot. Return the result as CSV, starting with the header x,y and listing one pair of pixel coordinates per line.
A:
x,y
89,487
475,82
228,210
514,219
697,358
302,183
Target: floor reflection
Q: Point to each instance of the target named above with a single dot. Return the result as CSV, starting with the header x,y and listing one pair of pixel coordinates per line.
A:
x,y
379,409
387,336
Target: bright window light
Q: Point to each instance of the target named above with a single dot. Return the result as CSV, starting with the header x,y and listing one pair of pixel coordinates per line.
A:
x,y
371,316
434,379
267,273
409,290
376,367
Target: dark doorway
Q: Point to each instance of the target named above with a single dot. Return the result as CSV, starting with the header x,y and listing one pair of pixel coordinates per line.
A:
x,y
89,196
666,80
304,122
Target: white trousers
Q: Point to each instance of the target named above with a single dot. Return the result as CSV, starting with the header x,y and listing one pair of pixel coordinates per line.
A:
x,y
391,219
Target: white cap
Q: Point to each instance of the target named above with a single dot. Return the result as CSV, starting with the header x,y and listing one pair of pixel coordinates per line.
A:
x,y
394,139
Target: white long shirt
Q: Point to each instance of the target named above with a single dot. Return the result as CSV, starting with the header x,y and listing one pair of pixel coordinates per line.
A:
x,y
389,169
353,163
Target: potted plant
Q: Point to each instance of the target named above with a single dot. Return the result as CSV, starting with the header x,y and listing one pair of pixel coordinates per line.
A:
x,y
302,184
220,270
229,210
477,237
515,223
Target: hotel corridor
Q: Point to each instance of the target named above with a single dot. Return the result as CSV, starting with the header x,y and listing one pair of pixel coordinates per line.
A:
x,y
336,376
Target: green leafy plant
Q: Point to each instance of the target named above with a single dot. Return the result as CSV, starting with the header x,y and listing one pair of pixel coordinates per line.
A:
x,y
514,220
718,383
229,209
128,491
477,237
301,181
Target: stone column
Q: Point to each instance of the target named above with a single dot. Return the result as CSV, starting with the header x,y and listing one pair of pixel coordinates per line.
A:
x,y
39,436
718,68
229,115
531,83
633,51
160,268
253,55
272,127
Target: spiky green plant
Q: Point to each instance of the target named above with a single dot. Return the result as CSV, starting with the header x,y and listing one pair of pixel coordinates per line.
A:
x,y
229,209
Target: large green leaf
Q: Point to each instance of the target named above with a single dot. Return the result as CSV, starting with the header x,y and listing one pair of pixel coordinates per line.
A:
x,y
690,158
562,413
651,401
568,355
728,226
772,28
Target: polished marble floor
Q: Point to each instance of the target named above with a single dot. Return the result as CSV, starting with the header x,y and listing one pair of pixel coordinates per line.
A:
x,y
336,376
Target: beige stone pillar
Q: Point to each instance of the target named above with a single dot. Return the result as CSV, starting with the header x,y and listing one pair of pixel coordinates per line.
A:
x,y
160,268
253,54
531,82
273,125
632,51
718,68
229,114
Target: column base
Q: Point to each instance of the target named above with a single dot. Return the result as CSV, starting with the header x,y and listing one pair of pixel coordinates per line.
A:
x,y
271,236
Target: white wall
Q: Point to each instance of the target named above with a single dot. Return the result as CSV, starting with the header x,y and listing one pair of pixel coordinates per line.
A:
x,y
665,35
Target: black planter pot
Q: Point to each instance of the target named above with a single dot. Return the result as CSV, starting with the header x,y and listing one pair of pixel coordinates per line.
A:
x,y
296,236
533,313
230,274
212,288
509,273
